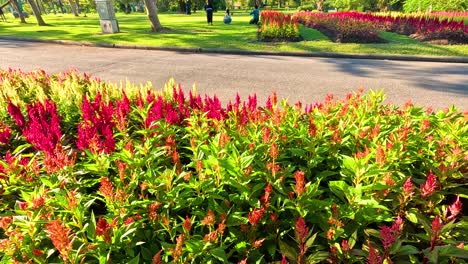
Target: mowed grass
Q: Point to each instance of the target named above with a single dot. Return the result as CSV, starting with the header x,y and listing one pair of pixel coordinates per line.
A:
x,y
193,32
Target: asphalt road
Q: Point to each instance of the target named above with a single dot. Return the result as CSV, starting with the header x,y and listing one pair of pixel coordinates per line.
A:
x,y
307,80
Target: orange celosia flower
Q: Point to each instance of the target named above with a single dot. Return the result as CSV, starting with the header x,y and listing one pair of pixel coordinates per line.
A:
x,y
209,218
107,188
59,234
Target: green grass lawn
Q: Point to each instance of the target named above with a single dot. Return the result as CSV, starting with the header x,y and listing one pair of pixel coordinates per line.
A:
x,y
193,32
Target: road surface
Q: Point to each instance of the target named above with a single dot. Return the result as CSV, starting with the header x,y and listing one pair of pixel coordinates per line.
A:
x,y
297,78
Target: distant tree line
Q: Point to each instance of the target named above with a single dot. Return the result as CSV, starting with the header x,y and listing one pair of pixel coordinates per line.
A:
x,y
387,5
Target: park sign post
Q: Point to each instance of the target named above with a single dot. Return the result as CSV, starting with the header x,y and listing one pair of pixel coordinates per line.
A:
x,y
107,18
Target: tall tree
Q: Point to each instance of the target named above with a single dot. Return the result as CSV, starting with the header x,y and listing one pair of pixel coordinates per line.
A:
x,y
152,12
18,9
37,13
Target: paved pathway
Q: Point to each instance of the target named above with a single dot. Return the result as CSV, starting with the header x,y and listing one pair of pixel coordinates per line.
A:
x,y
306,79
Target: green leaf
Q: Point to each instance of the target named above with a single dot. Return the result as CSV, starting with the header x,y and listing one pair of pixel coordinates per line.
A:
x,y
241,245
135,260
350,164
340,189
353,239
131,230
247,160
411,216
311,240
452,251
91,230
407,250
317,257
219,254
287,250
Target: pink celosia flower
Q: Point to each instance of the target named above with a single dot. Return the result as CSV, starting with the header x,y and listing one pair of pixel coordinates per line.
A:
x,y
436,227
301,230
429,186
95,131
373,257
43,127
386,235
345,245
455,208
15,112
408,188
397,225
5,133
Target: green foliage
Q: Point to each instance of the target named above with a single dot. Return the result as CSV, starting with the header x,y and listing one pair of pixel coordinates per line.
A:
x,y
306,8
358,5
188,181
434,5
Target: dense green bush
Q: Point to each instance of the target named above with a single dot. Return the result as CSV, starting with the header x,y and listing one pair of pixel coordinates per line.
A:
x,y
306,8
108,176
435,5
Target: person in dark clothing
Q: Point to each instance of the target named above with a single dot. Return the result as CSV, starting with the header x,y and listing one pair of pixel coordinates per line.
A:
x,y
187,7
209,12
256,15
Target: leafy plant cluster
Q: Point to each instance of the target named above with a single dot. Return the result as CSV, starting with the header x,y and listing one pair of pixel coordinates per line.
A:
x,y
135,176
341,27
434,5
363,27
276,26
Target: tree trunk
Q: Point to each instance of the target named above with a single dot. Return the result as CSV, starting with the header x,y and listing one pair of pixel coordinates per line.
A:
x,y
152,12
17,8
74,7
37,13
320,5
77,4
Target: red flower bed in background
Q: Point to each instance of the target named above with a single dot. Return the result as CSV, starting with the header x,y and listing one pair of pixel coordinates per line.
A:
x,y
364,26
340,27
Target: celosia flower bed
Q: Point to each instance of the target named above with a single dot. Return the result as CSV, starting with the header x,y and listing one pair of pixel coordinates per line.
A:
x,y
364,26
340,28
92,174
276,26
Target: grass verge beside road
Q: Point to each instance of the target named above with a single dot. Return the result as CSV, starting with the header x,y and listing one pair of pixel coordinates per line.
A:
x,y
193,32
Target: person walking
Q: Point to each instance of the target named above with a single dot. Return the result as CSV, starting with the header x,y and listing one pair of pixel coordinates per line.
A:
x,y
256,15
209,12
